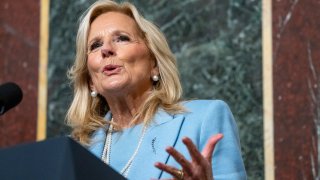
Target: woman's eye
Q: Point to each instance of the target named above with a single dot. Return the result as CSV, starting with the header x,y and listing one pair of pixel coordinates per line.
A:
x,y
95,45
122,38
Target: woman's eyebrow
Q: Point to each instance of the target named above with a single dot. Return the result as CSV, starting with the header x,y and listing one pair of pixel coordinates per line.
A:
x,y
115,32
95,38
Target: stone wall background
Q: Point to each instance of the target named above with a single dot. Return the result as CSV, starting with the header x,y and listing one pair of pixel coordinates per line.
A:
x,y
19,49
296,98
218,48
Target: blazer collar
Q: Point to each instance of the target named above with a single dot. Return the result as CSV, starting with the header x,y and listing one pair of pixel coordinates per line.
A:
x,y
160,117
162,132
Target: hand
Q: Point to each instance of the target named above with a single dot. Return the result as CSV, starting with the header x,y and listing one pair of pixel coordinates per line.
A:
x,y
200,166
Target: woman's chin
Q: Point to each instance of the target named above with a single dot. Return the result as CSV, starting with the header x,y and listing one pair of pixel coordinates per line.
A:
x,y
114,88
114,84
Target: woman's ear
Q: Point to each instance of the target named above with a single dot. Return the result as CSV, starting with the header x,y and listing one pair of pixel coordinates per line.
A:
x,y
93,91
155,76
155,68
155,72
92,88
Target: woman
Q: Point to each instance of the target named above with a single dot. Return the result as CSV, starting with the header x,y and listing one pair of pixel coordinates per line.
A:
x,y
127,106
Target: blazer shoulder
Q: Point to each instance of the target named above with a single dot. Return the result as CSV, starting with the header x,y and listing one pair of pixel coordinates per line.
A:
x,y
203,105
208,112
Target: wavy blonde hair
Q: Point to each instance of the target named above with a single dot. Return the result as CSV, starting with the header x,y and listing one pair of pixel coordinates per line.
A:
x,y
86,114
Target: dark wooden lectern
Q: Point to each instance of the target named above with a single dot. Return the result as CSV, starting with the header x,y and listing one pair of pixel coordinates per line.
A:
x,y
55,159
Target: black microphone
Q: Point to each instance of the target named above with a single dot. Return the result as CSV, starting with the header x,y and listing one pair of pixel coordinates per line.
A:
x,y
10,96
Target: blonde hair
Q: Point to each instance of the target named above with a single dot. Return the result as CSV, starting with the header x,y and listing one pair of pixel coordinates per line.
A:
x,y
86,114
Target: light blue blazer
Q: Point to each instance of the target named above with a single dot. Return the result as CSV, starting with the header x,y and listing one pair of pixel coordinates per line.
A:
x,y
203,119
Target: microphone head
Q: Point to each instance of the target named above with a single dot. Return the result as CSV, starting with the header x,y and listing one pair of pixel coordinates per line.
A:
x,y
10,96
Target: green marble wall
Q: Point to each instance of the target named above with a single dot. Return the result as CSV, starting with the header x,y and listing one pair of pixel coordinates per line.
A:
x,y
218,47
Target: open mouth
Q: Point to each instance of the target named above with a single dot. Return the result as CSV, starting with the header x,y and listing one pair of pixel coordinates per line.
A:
x,y
111,69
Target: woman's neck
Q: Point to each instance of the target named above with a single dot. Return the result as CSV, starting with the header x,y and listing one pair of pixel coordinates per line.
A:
x,y
124,108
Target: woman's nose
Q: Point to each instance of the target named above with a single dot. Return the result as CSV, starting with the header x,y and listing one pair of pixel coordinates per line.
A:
x,y
107,50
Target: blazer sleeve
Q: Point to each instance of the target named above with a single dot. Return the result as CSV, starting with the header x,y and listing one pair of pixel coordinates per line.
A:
x,y
227,162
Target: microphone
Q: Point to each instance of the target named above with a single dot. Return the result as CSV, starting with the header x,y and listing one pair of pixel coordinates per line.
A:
x,y
10,96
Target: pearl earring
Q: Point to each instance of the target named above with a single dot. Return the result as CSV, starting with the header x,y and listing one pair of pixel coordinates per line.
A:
x,y
155,78
94,94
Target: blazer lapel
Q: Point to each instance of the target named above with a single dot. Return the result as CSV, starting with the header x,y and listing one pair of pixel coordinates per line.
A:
x,y
163,132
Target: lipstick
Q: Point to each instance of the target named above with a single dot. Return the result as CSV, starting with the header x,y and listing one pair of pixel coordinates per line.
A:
x,y
111,69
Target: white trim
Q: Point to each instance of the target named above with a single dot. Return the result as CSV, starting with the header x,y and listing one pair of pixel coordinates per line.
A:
x,y
43,62
268,125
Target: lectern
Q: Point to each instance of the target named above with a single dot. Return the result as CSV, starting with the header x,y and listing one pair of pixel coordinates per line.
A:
x,y
55,159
